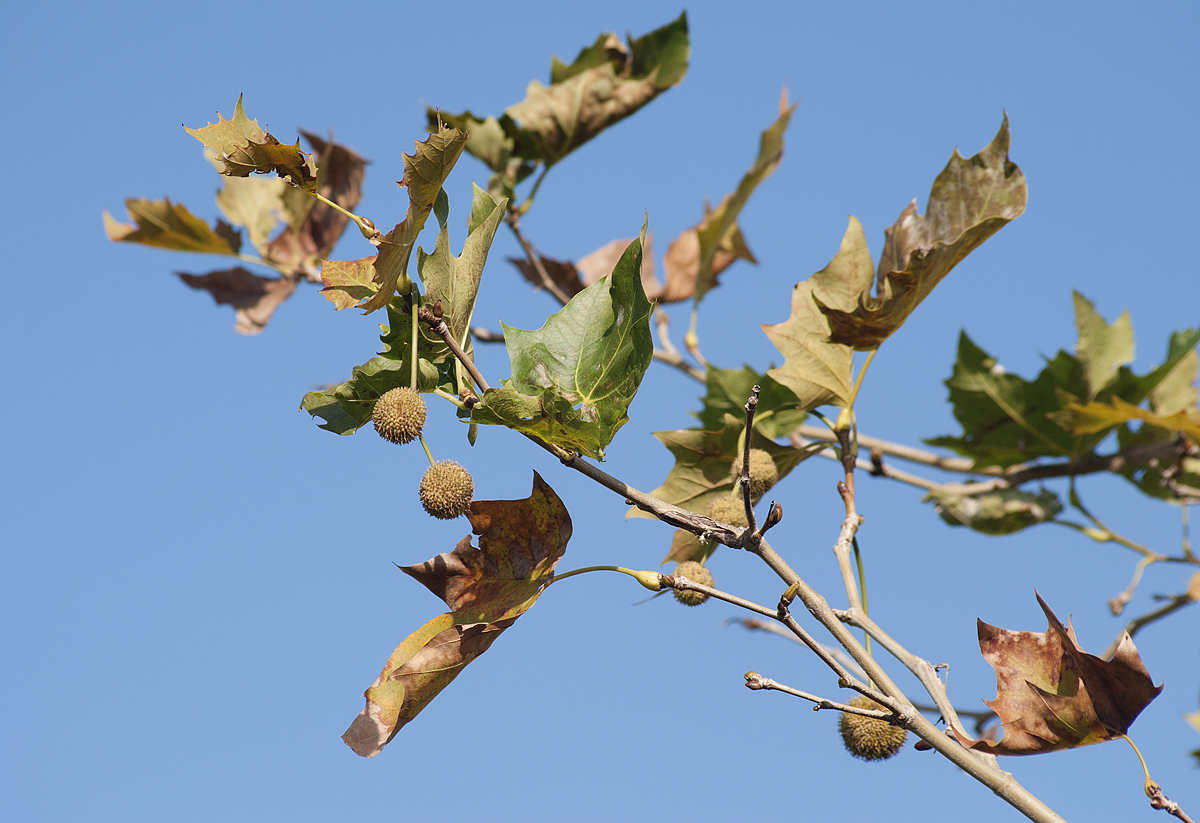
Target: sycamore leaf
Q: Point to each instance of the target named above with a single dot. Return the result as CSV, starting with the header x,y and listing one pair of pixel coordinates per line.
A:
x,y
254,297
998,512
606,83
245,148
347,407
1080,418
1102,349
682,262
728,391
574,378
1051,695
166,225
454,281
719,230
255,203
314,228
486,588
425,170
970,201
815,369
1004,416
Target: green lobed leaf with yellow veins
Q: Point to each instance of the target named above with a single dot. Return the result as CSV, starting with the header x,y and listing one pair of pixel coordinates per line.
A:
x,y
574,378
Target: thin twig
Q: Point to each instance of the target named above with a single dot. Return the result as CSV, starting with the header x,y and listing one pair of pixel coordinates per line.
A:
x,y
744,481
756,682
1137,624
535,261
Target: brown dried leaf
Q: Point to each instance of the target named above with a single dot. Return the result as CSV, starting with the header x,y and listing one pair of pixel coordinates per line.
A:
x,y
682,260
561,272
254,297
315,227
486,588
1052,695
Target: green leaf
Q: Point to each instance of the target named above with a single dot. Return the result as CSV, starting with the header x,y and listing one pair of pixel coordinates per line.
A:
x,y
728,391
245,148
717,231
166,225
573,379
970,201
1003,415
815,369
1102,349
997,512
454,281
606,83
486,588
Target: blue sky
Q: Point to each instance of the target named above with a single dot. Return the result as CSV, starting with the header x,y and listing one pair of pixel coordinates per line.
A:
x,y
196,583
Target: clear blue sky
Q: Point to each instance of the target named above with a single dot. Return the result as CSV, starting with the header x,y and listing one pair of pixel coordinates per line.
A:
x,y
196,583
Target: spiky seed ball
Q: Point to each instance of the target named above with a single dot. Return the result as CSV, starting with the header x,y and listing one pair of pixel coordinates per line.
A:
x,y
446,490
726,509
869,738
763,474
697,574
399,415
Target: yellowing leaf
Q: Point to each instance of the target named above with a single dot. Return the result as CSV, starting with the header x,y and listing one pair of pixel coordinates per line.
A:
x,y
1079,418
1052,695
425,170
1102,348
486,588
970,201
816,370
245,148
719,231
166,225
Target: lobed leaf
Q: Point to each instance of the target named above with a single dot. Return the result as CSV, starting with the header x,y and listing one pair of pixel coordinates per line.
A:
x,y
574,378
729,389
815,369
1051,695
606,83
719,231
244,148
486,588
999,512
970,201
254,297
167,225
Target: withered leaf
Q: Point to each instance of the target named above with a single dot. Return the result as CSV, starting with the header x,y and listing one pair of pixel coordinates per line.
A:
x,y
245,148
1052,695
1087,418
315,228
425,170
486,588
970,201
562,273
254,297
682,261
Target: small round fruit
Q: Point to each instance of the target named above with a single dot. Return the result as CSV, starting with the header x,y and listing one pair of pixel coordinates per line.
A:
x,y
870,738
763,473
399,415
727,509
697,574
446,490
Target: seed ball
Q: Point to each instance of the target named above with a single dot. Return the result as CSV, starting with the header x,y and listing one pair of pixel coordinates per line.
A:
x,y
446,490
399,415
726,509
763,473
697,574
869,738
